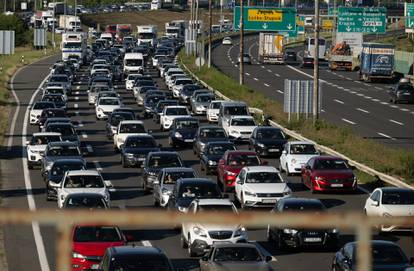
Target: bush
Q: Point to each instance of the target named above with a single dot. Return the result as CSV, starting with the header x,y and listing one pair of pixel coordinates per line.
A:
x,y
12,22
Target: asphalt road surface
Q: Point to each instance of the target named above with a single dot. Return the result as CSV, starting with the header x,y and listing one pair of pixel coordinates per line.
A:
x,y
346,101
32,247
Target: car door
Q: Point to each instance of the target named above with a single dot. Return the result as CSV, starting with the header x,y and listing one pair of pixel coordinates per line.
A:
x,y
240,183
373,205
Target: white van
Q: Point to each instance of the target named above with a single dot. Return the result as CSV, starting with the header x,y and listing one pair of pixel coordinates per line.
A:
x,y
108,37
133,63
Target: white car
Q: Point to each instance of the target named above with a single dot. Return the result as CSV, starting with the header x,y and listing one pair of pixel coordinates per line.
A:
x,y
37,145
99,67
165,183
198,238
170,113
296,154
389,202
125,129
178,85
227,41
83,181
37,109
213,111
130,80
105,106
240,127
170,83
56,90
260,186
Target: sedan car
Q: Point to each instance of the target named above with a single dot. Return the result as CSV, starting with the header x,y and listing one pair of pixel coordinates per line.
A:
x,y
67,131
59,150
182,131
105,106
136,148
402,92
58,99
295,155
227,41
235,257
50,113
328,173
159,109
246,59
213,152
307,62
290,56
267,141
114,119
389,202
206,134
37,110
37,145
200,104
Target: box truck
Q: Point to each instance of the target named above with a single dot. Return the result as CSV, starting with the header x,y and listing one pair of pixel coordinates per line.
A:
x,y
377,61
271,48
147,34
74,44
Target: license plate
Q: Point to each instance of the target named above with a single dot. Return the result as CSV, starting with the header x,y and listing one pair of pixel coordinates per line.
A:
x,y
188,140
141,159
313,240
273,150
269,201
337,185
95,266
407,93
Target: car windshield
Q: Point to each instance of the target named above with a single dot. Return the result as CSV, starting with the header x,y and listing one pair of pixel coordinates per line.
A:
x,y
215,105
86,202
154,99
55,90
176,111
64,151
236,254
108,101
263,177
383,254
242,122
161,105
235,110
398,197
53,113
44,139
204,98
141,263
270,134
303,206
59,169
107,94
172,177
216,208
186,124
220,149
62,129
303,149
59,79
43,105
84,181
199,191
212,133
116,118
406,87
99,88
243,160
330,164
133,62
53,98
140,142
161,161
96,234
132,128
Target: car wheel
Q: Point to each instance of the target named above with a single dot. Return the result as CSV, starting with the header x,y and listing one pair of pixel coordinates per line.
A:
x,y
280,167
287,171
183,243
191,253
30,166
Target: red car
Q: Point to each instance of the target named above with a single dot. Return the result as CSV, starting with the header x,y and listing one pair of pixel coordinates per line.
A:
x,y
90,243
328,173
230,165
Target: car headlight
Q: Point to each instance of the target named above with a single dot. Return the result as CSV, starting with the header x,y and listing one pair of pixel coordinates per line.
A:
x,y
239,232
290,231
48,165
178,135
200,107
33,151
293,161
113,129
166,191
212,163
261,145
130,155
287,192
251,194
182,209
151,173
234,132
77,255
199,231
318,178
229,173
335,231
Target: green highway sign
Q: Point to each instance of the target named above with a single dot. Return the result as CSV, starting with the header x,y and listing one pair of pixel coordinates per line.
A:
x,y
300,24
362,20
266,19
409,14
332,11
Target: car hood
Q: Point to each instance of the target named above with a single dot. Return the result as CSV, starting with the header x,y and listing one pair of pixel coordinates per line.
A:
x,y
242,128
40,148
140,150
399,210
109,107
94,248
101,191
239,266
302,159
273,142
36,111
334,174
266,187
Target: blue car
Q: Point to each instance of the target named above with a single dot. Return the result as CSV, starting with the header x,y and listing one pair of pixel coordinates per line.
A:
x,y
182,131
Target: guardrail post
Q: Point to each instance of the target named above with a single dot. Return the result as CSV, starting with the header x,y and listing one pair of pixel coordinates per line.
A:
x,y
364,255
64,247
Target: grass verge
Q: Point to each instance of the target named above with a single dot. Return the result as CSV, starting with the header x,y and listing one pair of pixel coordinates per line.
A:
x,y
385,159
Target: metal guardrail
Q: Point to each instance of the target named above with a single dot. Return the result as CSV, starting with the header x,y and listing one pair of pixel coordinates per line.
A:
x,y
65,220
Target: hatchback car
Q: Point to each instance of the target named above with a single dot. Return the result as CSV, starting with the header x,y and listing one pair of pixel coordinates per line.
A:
x,y
136,148
59,150
206,134
182,131
113,121
37,145
246,59
402,92
213,152
267,141
37,110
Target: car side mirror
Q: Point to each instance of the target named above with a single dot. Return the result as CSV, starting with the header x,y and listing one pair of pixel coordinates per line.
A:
x,y
204,258
268,258
284,152
375,203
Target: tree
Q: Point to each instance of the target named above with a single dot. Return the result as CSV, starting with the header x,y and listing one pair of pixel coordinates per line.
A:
x,y
12,22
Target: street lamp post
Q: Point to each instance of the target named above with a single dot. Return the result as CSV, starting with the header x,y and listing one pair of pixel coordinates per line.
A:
x,y
241,64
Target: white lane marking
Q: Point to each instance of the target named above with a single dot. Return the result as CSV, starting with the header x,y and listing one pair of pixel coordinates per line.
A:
x,y
146,243
269,70
357,82
393,106
378,88
267,85
255,79
339,101
97,165
248,74
368,97
322,110
75,105
348,121
360,94
80,124
339,87
277,75
396,122
263,67
386,136
77,87
40,247
235,65
384,103
304,73
362,110
77,113
16,112
375,100
281,92
89,148
412,113
368,85
404,109
76,97
84,135
77,93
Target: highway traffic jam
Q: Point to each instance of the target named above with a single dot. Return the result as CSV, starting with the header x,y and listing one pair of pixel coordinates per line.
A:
x,y
121,124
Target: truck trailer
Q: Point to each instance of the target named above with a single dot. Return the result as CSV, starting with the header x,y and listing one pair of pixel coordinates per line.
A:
x,y
377,61
74,44
271,48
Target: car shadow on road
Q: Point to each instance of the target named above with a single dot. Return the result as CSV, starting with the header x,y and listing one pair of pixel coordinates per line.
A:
x,y
330,203
12,193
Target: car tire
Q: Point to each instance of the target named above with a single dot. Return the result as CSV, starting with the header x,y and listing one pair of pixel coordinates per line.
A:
x,y
183,243
191,253
287,171
280,168
30,166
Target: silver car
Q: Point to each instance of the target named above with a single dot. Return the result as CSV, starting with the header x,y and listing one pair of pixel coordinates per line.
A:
x,y
201,102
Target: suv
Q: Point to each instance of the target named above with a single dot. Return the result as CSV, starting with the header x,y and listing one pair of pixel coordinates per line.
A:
x,y
198,238
239,127
267,140
170,113
231,108
37,145
206,134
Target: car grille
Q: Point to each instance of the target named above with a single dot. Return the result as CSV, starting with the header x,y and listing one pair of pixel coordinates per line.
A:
x,y
341,180
245,133
220,235
94,258
270,195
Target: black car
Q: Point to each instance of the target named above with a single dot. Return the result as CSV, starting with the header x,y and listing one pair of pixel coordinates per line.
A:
x,y
154,162
182,131
150,103
51,113
135,258
180,199
187,92
54,176
57,99
213,153
307,62
206,134
125,109
114,119
136,148
290,56
85,200
159,108
296,238
67,130
402,92
267,141
386,255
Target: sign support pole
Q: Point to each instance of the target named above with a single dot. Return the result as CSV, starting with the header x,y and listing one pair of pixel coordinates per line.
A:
x,y
241,64
209,32
316,66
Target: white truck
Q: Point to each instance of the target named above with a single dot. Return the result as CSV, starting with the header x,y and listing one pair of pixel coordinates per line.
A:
x,y
69,22
310,48
271,48
147,34
133,63
175,28
74,44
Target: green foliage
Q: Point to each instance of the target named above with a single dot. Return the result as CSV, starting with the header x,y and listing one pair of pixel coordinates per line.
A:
x,y
12,22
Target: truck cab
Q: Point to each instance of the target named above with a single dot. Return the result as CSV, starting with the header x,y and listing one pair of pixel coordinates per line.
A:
x,y
133,63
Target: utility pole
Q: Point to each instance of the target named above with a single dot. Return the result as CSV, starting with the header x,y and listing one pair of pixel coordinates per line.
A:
x,y
315,105
221,16
53,25
5,6
241,64
334,24
210,18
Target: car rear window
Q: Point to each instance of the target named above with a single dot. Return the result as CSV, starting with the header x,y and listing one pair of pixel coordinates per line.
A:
x,y
97,234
